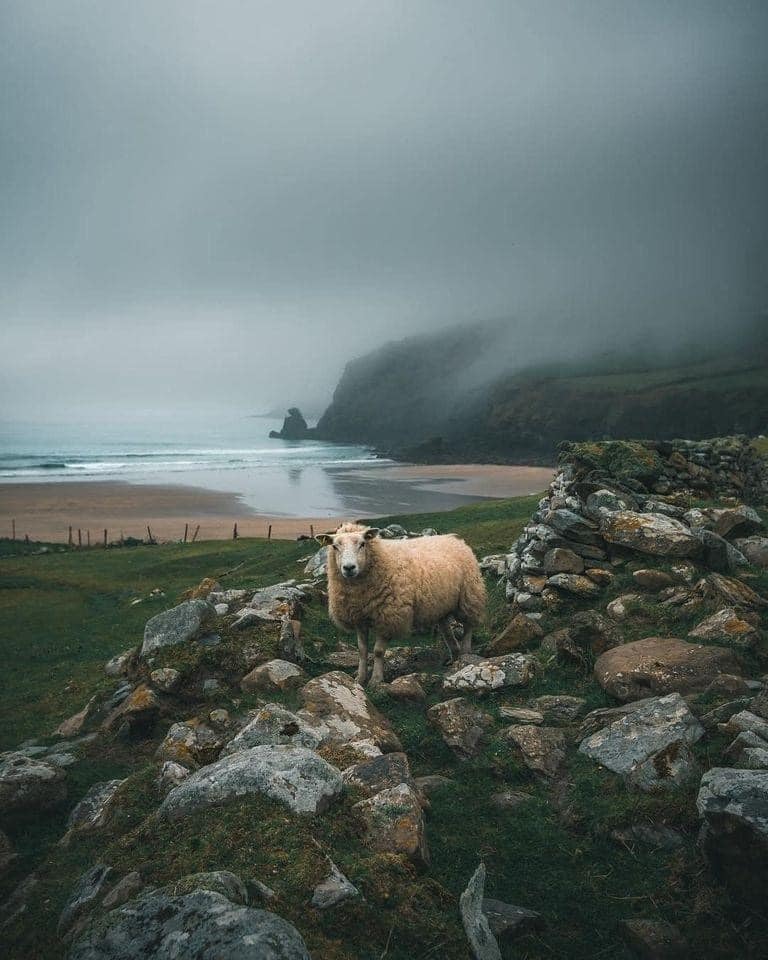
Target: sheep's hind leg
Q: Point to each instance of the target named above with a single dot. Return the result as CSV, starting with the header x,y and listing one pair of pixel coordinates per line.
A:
x,y
450,640
378,659
466,640
362,661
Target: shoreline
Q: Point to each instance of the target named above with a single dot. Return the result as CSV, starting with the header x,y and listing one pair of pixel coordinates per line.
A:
x,y
45,510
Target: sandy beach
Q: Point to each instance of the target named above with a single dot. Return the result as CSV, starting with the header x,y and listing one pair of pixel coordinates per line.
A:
x,y
46,511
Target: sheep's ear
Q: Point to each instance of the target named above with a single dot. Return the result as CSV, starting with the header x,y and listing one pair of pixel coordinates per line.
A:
x,y
326,539
371,532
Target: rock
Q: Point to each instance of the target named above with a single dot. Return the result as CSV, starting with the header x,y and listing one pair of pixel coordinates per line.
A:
x,y
211,688
462,725
206,923
760,704
653,580
559,709
7,854
431,783
346,712
295,776
684,571
291,646
746,740
171,775
91,885
507,922
139,709
124,890
381,773
394,823
572,526
650,533
746,720
592,631
222,609
345,658
223,882
482,942
575,584
726,626
659,665
335,889
192,743
562,560
317,564
654,940
723,712
294,427
602,502
219,718
29,784
521,631
273,675
718,554
542,748
399,661
93,810
650,745
618,609
166,679
73,725
733,591
407,688
203,590
599,576
755,549
520,714
509,799
122,664
734,838
273,724
180,624
495,673
741,521
729,686
393,532
270,604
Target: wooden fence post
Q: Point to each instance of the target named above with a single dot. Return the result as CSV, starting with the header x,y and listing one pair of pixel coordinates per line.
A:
x,y
26,539
312,531
234,532
105,538
13,528
194,535
70,540
149,534
186,531
269,532
88,535
79,539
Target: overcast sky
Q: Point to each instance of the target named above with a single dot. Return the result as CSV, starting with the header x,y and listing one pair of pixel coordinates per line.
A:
x,y
220,203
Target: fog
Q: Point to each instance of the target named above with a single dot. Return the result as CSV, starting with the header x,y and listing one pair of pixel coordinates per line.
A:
x,y
213,206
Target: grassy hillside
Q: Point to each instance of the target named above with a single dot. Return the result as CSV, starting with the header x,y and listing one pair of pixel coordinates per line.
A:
x,y
63,614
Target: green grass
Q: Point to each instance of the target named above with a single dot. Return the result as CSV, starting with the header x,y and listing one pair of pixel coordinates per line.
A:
x,y
62,614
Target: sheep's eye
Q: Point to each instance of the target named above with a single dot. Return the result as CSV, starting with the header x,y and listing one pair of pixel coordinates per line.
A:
x,y
335,547
360,547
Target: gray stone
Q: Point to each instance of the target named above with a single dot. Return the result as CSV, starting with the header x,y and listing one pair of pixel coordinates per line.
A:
x,y
393,822
726,626
575,584
223,882
560,708
91,886
602,502
166,679
120,665
178,625
507,922
274,724
191,743
741,521
562,560
270,604
572,526
746,720
372,776
273,675
203,924
93,810
650,533
29,784
653,580
494,673
124,890
734,838
520,714
542,748
171,774
295,776
333,890
482,942
718,554
648,746
462,725
755,549
316,566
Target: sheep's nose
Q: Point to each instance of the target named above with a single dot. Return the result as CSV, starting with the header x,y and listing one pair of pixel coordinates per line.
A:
x,y
349,568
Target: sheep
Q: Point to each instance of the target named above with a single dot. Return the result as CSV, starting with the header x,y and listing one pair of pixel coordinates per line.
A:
x,y
393,587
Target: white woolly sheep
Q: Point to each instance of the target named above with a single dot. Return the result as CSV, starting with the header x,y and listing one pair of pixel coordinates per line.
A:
x,y
393,587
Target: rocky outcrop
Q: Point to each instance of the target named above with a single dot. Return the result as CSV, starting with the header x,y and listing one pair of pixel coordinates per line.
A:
x,y
179,625
462,725
294,427
495,673
29,784
394,823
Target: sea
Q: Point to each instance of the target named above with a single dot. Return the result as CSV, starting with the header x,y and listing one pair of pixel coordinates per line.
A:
x,y
232,454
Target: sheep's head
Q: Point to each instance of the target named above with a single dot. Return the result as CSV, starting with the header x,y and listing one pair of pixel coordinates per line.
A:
x,y
349,548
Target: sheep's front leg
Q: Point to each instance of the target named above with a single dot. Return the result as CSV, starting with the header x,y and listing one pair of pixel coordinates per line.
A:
x,y
378,659
362,650
450,640
466,640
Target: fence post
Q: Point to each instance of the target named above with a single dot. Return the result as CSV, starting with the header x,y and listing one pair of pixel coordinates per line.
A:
x,y
13,528
194,535
186,531
269,532
312,531
234,532
79,539
70,541
105,538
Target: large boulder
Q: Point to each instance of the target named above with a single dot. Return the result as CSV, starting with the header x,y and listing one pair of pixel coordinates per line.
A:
x,y
345,712
394,823
734,838
270,604
29,784
494,673
203,924
295,776
462,725
541,748
741,521
381,773
649,745
718,554
650,533
178,625
659,665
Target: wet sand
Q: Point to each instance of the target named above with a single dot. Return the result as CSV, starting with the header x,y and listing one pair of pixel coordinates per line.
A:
x,y
45,511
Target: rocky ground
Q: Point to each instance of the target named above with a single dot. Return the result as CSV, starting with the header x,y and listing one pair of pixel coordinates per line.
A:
x,y
591,782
